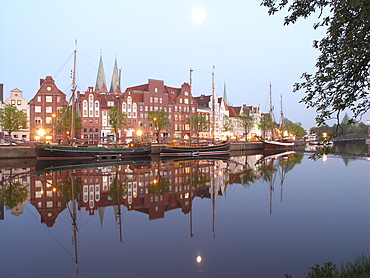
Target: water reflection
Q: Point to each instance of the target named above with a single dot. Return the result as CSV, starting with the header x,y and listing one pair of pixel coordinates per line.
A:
x,y
153,189
147,186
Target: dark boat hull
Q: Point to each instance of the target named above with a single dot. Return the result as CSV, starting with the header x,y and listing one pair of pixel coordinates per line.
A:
x,y
211,150
50,152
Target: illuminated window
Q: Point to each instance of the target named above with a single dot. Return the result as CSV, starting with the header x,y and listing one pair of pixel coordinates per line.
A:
x,y
49,99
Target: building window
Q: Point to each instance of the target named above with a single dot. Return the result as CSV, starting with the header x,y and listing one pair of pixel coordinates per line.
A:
x,y
38,120
49,99
49,109
19,102
186,93
39,99
12,102
49,120
151,99
37,109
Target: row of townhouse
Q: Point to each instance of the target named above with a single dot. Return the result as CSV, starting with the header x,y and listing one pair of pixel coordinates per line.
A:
x,y
94,104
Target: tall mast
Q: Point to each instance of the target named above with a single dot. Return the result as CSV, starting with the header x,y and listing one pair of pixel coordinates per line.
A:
x,y
191,108
73,94
271,115
281,116
213,103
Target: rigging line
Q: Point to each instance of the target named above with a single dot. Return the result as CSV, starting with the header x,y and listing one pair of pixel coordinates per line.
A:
x,y
59,70
51,234
88,60
87,255
208,72
224,209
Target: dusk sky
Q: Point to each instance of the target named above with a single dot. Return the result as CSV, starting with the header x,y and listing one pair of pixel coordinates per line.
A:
x,y
160,40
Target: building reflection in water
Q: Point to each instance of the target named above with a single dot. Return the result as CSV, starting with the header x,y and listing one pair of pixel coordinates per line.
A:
x,y
147,186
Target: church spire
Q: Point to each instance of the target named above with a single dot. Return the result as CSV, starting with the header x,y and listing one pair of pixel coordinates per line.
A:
x,y
100,79
225,95
115,84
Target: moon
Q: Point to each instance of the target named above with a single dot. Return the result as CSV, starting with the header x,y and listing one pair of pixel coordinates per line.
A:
x,y
198,15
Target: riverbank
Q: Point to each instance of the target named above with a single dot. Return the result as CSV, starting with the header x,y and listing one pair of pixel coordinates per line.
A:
x,y
9,152
29,152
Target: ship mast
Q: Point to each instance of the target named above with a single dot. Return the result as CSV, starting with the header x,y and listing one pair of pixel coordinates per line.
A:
x,y
73,116
213,103
190,106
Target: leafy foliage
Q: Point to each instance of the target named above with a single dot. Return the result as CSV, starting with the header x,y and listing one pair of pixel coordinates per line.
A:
x,y
12,119
266,124
117,119
13,194
64,119
160,120
247,122
343,67
199,123
294,128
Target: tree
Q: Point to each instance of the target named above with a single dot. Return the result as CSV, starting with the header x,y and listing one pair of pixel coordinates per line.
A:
x,y
12,119
13,193
199,123
294,128
117,119
266,124
160,120
247,122
64,119
226,123
341,80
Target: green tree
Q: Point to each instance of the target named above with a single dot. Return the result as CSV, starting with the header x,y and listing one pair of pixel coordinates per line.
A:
x,y
199,123
64,120
266,124
226,124
342,73
13,194
12,119
294,128
247,122
159,120
117,119
117,189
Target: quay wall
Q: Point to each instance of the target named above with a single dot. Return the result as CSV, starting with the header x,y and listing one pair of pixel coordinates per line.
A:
x,y
17,152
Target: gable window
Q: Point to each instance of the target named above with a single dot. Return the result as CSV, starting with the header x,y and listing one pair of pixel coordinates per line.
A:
x,y
49,99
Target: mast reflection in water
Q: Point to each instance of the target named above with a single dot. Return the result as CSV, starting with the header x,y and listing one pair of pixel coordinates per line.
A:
x,y
95,217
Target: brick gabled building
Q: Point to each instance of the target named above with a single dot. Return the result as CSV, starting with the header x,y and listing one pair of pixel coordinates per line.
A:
x,y
155,96
43,110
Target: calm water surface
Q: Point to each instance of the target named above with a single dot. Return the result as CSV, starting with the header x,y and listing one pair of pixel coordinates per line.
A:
x,y
248,216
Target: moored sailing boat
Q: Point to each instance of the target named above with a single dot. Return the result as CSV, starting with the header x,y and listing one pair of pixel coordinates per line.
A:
x,y
276,143
83,152
198,149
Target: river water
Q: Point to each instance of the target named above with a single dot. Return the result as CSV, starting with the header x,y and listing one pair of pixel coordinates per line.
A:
x,y
246,216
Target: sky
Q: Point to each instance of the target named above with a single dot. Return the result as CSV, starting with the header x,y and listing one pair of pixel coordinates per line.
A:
x,y
152,39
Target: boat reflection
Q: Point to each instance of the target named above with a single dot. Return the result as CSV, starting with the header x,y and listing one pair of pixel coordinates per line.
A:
x,y
152,187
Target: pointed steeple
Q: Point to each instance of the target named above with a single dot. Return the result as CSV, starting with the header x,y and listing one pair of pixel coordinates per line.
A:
x,y
100,79
225,95
115,79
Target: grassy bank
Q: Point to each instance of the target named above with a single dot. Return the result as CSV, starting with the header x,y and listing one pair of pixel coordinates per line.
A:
x,y
359,268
